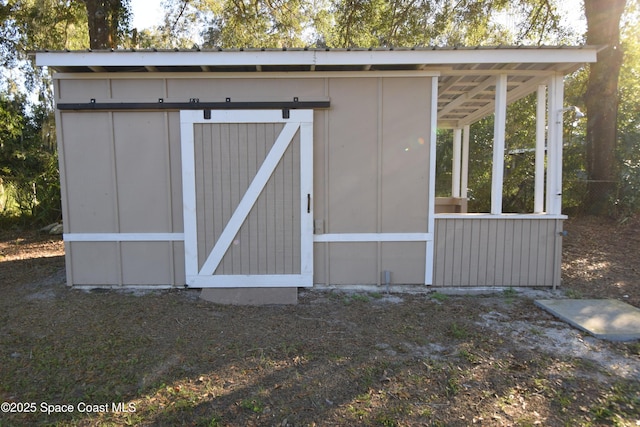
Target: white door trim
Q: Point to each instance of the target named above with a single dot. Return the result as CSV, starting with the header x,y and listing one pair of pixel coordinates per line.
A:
x,y
301,120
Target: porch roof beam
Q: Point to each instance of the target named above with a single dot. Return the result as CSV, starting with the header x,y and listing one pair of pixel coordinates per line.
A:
x,y
488,82
513,95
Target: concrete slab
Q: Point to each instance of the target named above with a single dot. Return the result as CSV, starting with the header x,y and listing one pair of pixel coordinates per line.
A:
x,y
250,296
606,319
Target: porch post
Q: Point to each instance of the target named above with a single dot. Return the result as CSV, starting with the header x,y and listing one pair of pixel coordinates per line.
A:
x,y
538,204
554,146
433,131
455,169
464,176
500,120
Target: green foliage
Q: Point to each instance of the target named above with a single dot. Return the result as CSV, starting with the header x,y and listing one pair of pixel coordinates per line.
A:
x,y
252,405
628,195
353,23
458,332
29,167
519,160
29,183
440,297
41,24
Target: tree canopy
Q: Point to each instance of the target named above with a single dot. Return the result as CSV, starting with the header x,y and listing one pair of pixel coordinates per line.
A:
x,y
30,25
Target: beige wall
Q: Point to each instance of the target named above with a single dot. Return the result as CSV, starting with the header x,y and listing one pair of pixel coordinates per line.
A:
x,y
372,174
122,172
122,175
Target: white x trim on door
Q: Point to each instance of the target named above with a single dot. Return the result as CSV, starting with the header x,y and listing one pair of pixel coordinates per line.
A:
x,y
203,274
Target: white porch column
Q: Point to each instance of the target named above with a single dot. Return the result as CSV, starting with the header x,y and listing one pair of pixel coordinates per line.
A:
x,y
500,120
455,169
554,146
538,204
464,176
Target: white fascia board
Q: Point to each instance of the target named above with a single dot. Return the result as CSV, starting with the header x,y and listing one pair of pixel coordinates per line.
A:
x,y
462,56
317,57
159,59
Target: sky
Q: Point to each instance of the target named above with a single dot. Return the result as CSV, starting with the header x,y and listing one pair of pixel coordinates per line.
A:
x,y
146,13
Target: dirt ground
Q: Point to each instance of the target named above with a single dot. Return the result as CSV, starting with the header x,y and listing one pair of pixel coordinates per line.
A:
x,y
169,358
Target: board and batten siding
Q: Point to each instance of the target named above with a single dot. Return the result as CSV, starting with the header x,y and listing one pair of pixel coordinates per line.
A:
x,y
121,173
497,252
371,175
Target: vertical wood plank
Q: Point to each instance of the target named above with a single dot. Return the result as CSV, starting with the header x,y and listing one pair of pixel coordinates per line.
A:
x,y
557,253
458,243
271,219
226,188
467,246
245,175
525,255
534,251
517,253
261,204
474,256
495,241
252,168
278,188
296,203
449,253
506,235
484,258
440,228
236,194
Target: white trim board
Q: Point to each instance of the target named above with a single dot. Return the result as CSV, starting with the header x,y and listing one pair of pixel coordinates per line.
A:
x,y
317,57
250,281
373,237
255,75
502,216
123,237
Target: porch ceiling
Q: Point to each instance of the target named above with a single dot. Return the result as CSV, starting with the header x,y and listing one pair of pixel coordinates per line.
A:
x,y
467,76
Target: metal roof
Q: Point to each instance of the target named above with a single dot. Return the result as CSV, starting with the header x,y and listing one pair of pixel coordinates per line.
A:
x,y
467,75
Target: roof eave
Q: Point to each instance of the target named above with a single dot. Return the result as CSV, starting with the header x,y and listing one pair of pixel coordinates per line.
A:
x,y
582,54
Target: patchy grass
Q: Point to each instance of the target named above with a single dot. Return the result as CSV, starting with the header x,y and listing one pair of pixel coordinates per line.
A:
x,y
439,296
168,358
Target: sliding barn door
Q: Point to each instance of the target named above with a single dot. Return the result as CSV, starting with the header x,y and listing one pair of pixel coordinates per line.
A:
x,y
247,190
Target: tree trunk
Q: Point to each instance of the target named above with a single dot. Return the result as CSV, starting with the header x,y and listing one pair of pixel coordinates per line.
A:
x,y
603,28
100,34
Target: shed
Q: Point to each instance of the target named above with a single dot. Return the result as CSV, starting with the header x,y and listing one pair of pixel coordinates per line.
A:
x,y
299,168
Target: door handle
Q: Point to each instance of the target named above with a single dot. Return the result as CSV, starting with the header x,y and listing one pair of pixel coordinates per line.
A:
x,y
308,203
